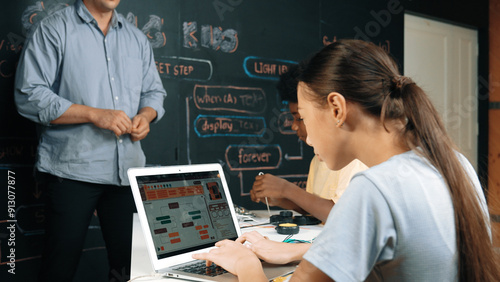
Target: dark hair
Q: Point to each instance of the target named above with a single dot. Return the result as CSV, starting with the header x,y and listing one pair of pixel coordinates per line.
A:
x,y
287,85
365,74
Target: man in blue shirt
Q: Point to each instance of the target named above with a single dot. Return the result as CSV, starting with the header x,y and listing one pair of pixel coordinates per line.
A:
x,y
89,78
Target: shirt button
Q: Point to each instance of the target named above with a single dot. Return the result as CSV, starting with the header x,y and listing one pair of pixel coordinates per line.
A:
x,y
112,78
109,59
116,98
120,141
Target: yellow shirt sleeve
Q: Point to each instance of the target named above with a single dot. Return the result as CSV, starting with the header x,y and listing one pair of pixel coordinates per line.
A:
x,y
329,184
346,175
310,176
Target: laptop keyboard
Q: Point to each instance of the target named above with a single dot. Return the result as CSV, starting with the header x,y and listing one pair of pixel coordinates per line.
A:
x,y
201,268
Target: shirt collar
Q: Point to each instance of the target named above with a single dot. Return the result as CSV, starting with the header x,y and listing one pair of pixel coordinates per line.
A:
x,y
87,17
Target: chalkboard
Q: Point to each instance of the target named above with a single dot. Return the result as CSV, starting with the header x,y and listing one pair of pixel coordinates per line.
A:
x,y
219,61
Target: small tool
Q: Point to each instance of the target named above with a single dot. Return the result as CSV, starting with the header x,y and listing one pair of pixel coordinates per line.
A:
x,y
267,202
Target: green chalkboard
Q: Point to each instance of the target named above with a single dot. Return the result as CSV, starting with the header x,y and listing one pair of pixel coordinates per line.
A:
x,y
219,61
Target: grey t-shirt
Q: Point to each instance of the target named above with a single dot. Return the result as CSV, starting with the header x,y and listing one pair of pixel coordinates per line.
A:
x,y
395,222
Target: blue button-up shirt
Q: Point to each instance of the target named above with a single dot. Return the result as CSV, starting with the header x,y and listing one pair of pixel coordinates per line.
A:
x,y
67,60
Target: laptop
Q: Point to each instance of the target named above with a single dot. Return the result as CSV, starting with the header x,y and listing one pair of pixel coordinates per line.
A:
x,y
186,209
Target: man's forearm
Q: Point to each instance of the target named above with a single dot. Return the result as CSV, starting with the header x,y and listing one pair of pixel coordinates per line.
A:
x,y
75,114
116,121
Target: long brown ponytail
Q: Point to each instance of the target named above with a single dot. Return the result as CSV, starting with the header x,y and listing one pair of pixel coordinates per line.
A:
x,y
365,74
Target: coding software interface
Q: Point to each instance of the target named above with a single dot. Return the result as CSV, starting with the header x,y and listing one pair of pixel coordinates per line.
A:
x,y
186,211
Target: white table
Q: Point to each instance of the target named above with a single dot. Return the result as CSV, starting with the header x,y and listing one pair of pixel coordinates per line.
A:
x,y
141,264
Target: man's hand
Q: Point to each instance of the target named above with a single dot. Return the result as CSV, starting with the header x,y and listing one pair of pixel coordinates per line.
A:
x,y
114,120
140,123
140,128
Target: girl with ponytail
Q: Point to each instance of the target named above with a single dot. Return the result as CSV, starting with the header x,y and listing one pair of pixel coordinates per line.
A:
x,y
417,214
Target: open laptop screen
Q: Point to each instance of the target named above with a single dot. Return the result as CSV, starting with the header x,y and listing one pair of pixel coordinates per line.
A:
x,y
185,211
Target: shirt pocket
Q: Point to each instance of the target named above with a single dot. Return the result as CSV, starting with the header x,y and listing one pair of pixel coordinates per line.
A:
x,y
132,84
132,75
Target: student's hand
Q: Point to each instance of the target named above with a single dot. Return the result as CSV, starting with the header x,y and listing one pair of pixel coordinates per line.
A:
x,y
235,258
140,128
268,185
114,120
272,251
278,202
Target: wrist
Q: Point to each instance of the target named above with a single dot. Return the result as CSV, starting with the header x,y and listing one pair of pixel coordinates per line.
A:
x,y
148,113
298,251
91,114
250,269
292,192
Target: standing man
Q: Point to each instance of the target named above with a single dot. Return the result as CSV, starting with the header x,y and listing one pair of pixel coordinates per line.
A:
x,y
89,78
